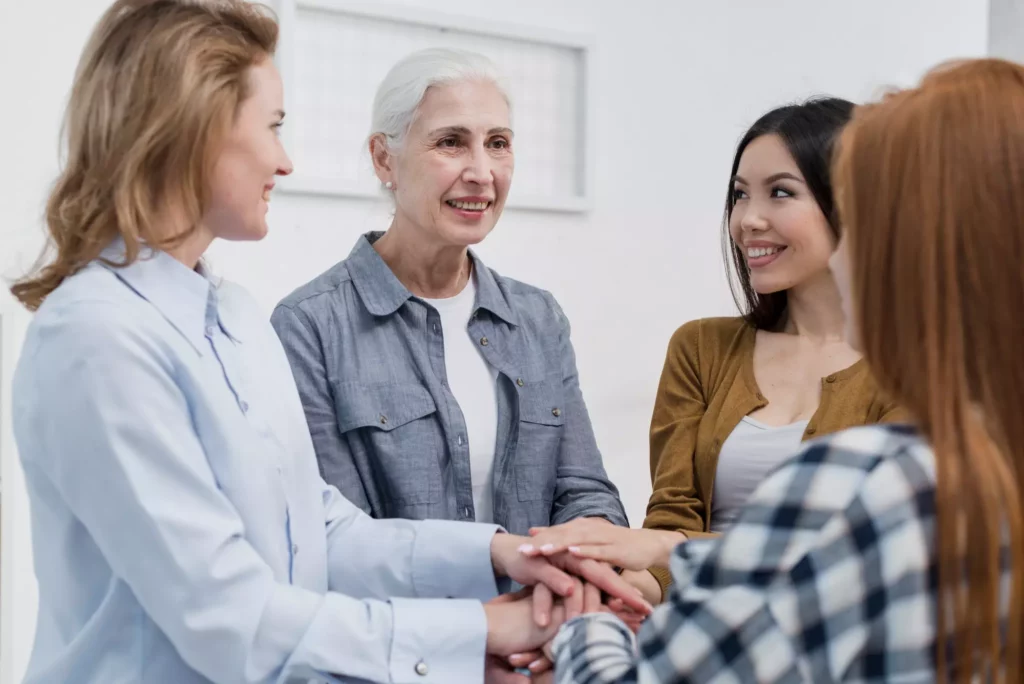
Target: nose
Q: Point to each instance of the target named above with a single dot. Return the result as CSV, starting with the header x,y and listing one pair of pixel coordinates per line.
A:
x,y
284,164
753,220
478,169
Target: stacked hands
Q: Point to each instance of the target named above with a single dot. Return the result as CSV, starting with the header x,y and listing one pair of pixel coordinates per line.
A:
x,y
567,570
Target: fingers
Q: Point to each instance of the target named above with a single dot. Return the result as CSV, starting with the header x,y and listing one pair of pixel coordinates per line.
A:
x,y
574,603
540,666
525,659
556,539
543,572
497,671
606,554
591,598
608,581
543,600
514,596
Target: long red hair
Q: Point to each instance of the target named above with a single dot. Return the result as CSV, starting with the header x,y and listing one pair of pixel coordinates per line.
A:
x,y
931,195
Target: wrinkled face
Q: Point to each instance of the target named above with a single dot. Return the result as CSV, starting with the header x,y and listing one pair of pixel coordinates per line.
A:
x,y
453,174
250,158
775,220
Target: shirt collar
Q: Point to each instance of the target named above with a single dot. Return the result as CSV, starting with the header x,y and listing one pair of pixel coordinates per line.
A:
x,y
186,298
383,293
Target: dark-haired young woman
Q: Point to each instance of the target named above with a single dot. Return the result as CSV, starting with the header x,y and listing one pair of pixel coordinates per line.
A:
x,y
738,395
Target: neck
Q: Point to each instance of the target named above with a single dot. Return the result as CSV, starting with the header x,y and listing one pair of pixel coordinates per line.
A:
x,y
195,245
426,269
814,310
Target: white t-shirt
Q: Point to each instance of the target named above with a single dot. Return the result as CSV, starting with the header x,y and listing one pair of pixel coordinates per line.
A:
x,y
474,382
751,452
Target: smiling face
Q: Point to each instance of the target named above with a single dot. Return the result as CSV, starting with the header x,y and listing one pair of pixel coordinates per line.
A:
x,y
775,220
249,159
452,176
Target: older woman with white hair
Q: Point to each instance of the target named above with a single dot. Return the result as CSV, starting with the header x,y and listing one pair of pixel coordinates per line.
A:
x,y
434,387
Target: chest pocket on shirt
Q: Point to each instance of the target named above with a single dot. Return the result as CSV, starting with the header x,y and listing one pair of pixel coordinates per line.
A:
x,y
541,424
396,428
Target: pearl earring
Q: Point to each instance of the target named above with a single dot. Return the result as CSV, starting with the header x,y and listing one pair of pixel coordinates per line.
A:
x,y
389,185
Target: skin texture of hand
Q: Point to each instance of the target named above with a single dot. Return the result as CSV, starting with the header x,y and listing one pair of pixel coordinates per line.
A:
x,y
555,572
590,602
634,549
646,583
512,629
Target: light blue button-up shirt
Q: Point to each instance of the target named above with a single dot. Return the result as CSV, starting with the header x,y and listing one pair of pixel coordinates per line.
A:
x,y
182,532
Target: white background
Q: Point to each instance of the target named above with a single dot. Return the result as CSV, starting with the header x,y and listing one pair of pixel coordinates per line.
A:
x,y
678,83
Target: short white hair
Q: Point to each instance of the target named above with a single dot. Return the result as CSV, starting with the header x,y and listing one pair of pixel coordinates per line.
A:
x,y
401,92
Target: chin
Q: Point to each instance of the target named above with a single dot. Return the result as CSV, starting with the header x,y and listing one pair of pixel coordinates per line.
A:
x,y
467,235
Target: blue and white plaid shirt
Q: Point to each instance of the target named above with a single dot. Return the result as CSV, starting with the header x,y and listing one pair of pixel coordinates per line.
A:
x,y
829,575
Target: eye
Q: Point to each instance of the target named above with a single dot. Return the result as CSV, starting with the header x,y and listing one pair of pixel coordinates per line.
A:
x,y
500,143
779,192
738,194
449,142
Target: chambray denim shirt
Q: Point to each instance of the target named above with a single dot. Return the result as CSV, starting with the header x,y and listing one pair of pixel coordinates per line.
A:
x,y
368,358
182,533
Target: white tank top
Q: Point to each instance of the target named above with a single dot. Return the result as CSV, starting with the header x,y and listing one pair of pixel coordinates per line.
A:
x,y
750,453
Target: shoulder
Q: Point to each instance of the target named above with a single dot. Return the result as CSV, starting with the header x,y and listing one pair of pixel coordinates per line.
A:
x,y
532,304
321,288
712,337
90,328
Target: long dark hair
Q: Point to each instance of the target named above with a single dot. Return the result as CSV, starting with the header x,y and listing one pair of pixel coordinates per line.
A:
x,y
809,131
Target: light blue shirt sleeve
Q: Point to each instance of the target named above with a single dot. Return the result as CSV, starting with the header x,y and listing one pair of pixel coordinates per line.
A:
x,y
118,440
370,558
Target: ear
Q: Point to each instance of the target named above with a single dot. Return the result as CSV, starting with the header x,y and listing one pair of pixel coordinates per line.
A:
x,y
381,156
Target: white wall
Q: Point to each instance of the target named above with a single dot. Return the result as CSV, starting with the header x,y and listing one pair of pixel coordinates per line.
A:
x,y
678,84
1006,29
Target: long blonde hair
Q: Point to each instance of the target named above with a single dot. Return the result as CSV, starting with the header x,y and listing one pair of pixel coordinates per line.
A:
x,y
157,85
931,195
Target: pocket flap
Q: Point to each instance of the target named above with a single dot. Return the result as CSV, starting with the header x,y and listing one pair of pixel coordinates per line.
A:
x,y
542,402
384,407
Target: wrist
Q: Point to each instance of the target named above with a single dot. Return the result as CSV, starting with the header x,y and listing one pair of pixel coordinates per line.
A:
x,y
669,541
502,544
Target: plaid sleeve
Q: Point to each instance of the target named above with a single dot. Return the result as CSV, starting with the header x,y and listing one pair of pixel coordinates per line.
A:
x,y
830,549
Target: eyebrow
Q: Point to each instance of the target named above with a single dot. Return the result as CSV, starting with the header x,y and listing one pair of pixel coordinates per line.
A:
x,y
771,179
462,130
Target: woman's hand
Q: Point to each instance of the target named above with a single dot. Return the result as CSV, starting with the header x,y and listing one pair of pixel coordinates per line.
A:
x,y
555,572
633,549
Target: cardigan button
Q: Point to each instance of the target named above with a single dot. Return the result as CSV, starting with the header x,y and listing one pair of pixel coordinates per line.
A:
x,y
830,379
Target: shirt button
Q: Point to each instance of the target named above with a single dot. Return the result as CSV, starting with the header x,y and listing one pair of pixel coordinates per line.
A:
x,y
556,412
467,512
383,420
437,328
811,430
484,342
245,406
459,440
295,549
209,330
519,381
421,669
